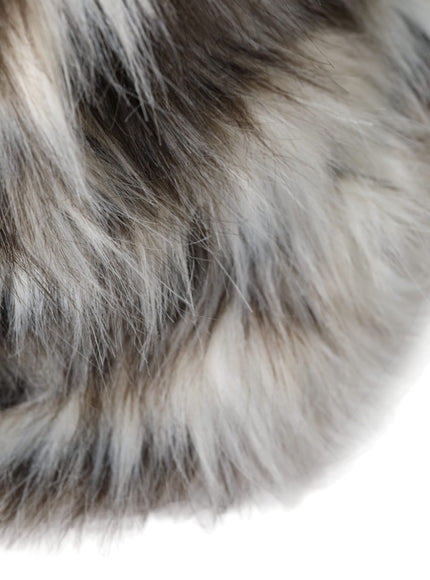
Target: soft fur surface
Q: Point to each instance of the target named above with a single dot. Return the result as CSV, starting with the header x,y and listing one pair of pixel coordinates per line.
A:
x,y
214,243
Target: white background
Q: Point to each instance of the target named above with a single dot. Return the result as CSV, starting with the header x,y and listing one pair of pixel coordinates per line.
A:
x,y
371,523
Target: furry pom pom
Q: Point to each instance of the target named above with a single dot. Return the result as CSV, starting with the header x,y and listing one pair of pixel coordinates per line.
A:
x,y
214,243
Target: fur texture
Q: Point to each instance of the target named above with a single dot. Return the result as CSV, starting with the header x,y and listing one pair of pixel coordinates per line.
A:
x,y
214,242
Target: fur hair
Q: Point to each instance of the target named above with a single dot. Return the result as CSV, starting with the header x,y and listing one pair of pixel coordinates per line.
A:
x,y
214,243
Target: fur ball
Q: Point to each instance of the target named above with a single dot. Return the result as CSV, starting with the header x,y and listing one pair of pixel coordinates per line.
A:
x,y
214,244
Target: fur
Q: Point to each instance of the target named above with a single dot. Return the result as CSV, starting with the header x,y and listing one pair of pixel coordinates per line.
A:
x,y
214,244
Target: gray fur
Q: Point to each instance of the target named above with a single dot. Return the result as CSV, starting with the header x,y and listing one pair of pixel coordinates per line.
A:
x,y
214,243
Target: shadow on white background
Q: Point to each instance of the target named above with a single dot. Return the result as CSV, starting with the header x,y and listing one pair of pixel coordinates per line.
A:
x,y
371,523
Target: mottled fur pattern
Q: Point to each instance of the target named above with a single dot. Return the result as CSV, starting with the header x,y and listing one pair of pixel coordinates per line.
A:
x,y
214,243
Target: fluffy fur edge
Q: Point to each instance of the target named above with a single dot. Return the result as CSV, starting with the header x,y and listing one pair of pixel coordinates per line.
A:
x,y
214,243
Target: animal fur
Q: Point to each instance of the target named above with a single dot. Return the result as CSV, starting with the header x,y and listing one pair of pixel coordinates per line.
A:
x,y
214,243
